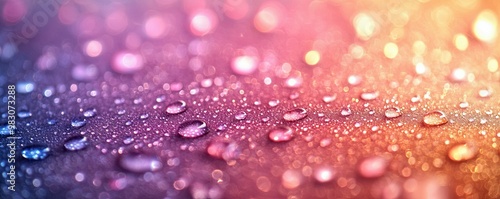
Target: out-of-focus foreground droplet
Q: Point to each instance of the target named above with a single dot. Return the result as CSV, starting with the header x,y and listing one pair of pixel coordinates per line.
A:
x,y
127,62
365,26
203,22
269,17
244,65
463,152
312,57
435,118
485,26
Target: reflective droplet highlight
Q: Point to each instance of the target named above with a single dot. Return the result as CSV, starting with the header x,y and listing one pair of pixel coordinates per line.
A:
x,y
192,129
295,114
373,167
36,152
176,107
392,112
463,152
435,118
78,122
76,143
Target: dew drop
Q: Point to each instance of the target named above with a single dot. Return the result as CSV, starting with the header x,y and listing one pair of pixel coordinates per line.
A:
x,y
176,107
281,134
51,121
240,115
140,163
293,82
192,129
78,122
369,95
324,174
373,167
484,93
24,114
36,152
295,114
128,140
463,152
435,118
76,143
392,112
329,98
274,103
90,113
354,80
345,112
464,104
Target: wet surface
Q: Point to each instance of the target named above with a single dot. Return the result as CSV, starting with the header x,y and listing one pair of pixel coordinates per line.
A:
x,y
250,99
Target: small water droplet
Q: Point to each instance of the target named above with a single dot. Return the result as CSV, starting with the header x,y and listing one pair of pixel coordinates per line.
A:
x,y
176,107
36,152
144,116
329,98
373,167
392,112
78,122
90,112
484,93
192,129
435,118
369,95
464,104
274,103
24,114
345,111
295,114
240,115
128,140
281,134
76,143
51,121
293,82
324,174
354,80
244,65
140,163
119,101
463,152
458,75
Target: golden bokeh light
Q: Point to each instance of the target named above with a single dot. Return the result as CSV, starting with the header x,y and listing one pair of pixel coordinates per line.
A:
x,y
485,26
461,42
312,57
391,50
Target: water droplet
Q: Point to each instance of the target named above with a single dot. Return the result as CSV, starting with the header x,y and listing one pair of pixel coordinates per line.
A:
x,y
281,134
144,116
78,122
192,129
373,167
435,118
354,80
223,149
464,104
76,143
25,87
274,103
345,112
484,93
128,140
241,115
176,107
4,130
36,152
392,112
295,114
24,114
140,163
293,82
51,121
369,95
324,174
463,152
90,112
458,75
329,98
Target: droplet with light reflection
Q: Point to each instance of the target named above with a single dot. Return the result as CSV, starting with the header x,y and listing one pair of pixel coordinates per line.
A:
x,y
281,134
373,167
435,118
295,114
463,152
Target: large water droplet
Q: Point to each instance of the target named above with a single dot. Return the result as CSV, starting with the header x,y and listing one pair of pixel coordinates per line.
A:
x,y
295,114
176,107
281,134
192,129
345,111
90,112
36,152
369,95
78,122
392,112
140,163
435,118
373,167
240,115
24,114
76,143
463,152
329,98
